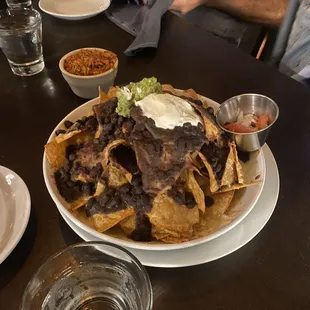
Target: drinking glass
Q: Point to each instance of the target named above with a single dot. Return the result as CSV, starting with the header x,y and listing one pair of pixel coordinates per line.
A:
x,y
90,275
18,3
21,40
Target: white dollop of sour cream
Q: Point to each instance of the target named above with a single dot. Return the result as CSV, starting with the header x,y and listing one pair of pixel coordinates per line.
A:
x,y
168,111
127,93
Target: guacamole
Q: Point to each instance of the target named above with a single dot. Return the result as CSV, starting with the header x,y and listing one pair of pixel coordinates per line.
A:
x,y
134,92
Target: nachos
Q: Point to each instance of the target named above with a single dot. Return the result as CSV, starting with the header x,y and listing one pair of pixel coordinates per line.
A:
x,y
150,160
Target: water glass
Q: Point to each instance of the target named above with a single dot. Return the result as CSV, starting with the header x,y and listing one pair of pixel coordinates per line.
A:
x,y
91,275
18,3
21,40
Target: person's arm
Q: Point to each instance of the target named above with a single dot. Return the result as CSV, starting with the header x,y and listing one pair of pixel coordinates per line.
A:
x,y
270,12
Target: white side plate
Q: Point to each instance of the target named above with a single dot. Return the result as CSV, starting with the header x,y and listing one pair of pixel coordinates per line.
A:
x,y
14,210
74,10
221,246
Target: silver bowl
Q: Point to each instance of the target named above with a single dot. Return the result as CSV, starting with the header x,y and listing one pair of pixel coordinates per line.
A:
x,y
250,104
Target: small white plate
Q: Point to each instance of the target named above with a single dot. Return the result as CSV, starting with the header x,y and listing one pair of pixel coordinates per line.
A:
x,y
221,246
242,204
14,210
74,9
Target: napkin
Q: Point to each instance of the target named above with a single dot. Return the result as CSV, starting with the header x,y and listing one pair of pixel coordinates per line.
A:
x,y
143,22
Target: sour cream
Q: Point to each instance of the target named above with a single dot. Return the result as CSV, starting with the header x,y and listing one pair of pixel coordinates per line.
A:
x,y
168,111
126,92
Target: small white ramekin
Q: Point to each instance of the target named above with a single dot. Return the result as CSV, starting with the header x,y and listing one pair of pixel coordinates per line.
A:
x,y
87,86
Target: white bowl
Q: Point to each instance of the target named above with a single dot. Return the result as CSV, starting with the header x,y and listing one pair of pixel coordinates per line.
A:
x,y
74,10
244,200
87,86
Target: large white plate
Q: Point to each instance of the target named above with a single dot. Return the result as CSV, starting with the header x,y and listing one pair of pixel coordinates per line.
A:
x,y
243,203
14,210
221,246
74,9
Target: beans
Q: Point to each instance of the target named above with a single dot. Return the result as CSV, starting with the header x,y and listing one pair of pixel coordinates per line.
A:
x,y
111,191
129,125
107,127
125,188
103,199
91,124
179,200
72,157
93,172
68,124
218,168
67,165
209,201
114,118
120,121
187,125
102,137
136,180
117,132
150,148
83,119
210,110
139,190
144,199
60,131
87,189
70,184
190,200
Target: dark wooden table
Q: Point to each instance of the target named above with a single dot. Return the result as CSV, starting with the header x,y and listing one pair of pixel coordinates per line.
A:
x,y
273,270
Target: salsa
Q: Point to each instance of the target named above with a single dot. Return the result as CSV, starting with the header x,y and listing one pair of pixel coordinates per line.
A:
x,y
248,123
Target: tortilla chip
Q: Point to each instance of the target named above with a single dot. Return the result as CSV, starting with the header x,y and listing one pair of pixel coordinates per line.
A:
x,y
103,222
196,161
168,237
174,219
214,185
212,129
190,93
103,97
214,218
197,192
128,224
109,148
236,186
122,170
238,166
169,88
114,176
84,199
112,92
81,215
66,136
229,176
222,202
56,154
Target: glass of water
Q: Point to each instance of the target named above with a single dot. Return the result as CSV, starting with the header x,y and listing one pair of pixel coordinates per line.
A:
x,y
91,275
18,3
21,40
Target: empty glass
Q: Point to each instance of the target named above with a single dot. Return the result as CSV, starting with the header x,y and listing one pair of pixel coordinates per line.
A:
x,y
91,275
21,40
